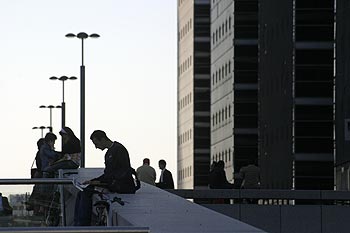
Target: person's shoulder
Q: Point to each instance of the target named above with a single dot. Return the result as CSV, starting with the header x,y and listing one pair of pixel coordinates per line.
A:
x,y
119,146
169,172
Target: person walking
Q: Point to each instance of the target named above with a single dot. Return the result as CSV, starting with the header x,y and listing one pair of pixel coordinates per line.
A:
x,y
146,173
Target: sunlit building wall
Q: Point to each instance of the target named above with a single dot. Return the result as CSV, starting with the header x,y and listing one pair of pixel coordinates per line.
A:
x,y
193,93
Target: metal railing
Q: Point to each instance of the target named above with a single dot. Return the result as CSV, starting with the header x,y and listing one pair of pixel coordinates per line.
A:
x,y
303,196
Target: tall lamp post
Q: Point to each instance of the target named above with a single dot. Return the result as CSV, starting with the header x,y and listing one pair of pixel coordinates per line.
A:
x,y
50,107
82,36
42,129
63,79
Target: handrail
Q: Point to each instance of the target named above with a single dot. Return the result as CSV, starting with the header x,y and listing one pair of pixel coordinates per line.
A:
x,y
263,194
35,181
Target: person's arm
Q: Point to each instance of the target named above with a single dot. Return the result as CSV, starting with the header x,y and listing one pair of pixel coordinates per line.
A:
x,y
154,175
242,175
171,181
49,153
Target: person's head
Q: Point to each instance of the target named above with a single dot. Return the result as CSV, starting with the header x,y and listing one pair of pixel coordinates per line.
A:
x,y
146,161
162,164
100,139
213,165
40,142
221,164
67,134
50,139
252,161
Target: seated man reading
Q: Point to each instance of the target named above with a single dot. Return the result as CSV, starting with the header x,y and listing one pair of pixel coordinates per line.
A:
x,y
117,176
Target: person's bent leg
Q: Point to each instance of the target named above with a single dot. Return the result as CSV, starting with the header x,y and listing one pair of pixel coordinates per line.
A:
x,y
77,209
83,209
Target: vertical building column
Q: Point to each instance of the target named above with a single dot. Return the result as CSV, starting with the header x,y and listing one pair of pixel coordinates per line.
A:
x,y
342,101
275,93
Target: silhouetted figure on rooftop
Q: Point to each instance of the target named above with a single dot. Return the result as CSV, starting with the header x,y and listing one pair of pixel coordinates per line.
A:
x,y
146,173
166,178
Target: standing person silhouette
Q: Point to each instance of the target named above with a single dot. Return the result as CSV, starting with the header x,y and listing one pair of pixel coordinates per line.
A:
x,y
146,173
251,178
166,178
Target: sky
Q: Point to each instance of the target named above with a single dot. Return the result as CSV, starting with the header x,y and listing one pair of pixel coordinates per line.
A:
x,y
130,77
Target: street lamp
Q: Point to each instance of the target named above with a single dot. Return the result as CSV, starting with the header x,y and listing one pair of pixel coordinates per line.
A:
x,y
82,36
42,129
63,79
50,107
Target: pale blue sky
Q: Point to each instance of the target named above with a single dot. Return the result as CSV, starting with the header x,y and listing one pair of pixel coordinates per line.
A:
x,y
130,76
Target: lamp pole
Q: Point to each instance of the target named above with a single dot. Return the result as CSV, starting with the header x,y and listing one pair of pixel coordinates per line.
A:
x,y
42,129
82,36
63,79
50,107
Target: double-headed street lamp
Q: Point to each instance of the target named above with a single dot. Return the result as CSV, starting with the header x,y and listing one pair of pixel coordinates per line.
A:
x,y
50,107
82,36
42,129
63,79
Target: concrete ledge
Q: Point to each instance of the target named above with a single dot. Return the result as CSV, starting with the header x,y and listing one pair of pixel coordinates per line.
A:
x,y
76,229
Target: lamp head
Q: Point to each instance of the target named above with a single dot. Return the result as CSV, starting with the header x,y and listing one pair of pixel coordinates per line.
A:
x,y
70,35
94,35
63,78
82,35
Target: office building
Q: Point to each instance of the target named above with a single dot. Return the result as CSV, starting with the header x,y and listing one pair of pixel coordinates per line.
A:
x,y
272,96
193,93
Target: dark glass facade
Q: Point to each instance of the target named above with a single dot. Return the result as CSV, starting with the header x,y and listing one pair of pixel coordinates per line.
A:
x,y
282,90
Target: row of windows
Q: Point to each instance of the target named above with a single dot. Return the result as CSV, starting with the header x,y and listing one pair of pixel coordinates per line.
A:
x,y
221,116
224,28
185,29
185,137
185,65
221,73
224,155
184,173
185,101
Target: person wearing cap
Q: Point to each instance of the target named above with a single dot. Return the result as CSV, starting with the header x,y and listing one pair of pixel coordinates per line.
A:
x,y
146,173
70,155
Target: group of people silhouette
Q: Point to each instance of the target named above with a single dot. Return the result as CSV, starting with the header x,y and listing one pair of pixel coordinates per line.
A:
x,y
118,173
147,174
117,176
48,161
247,178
